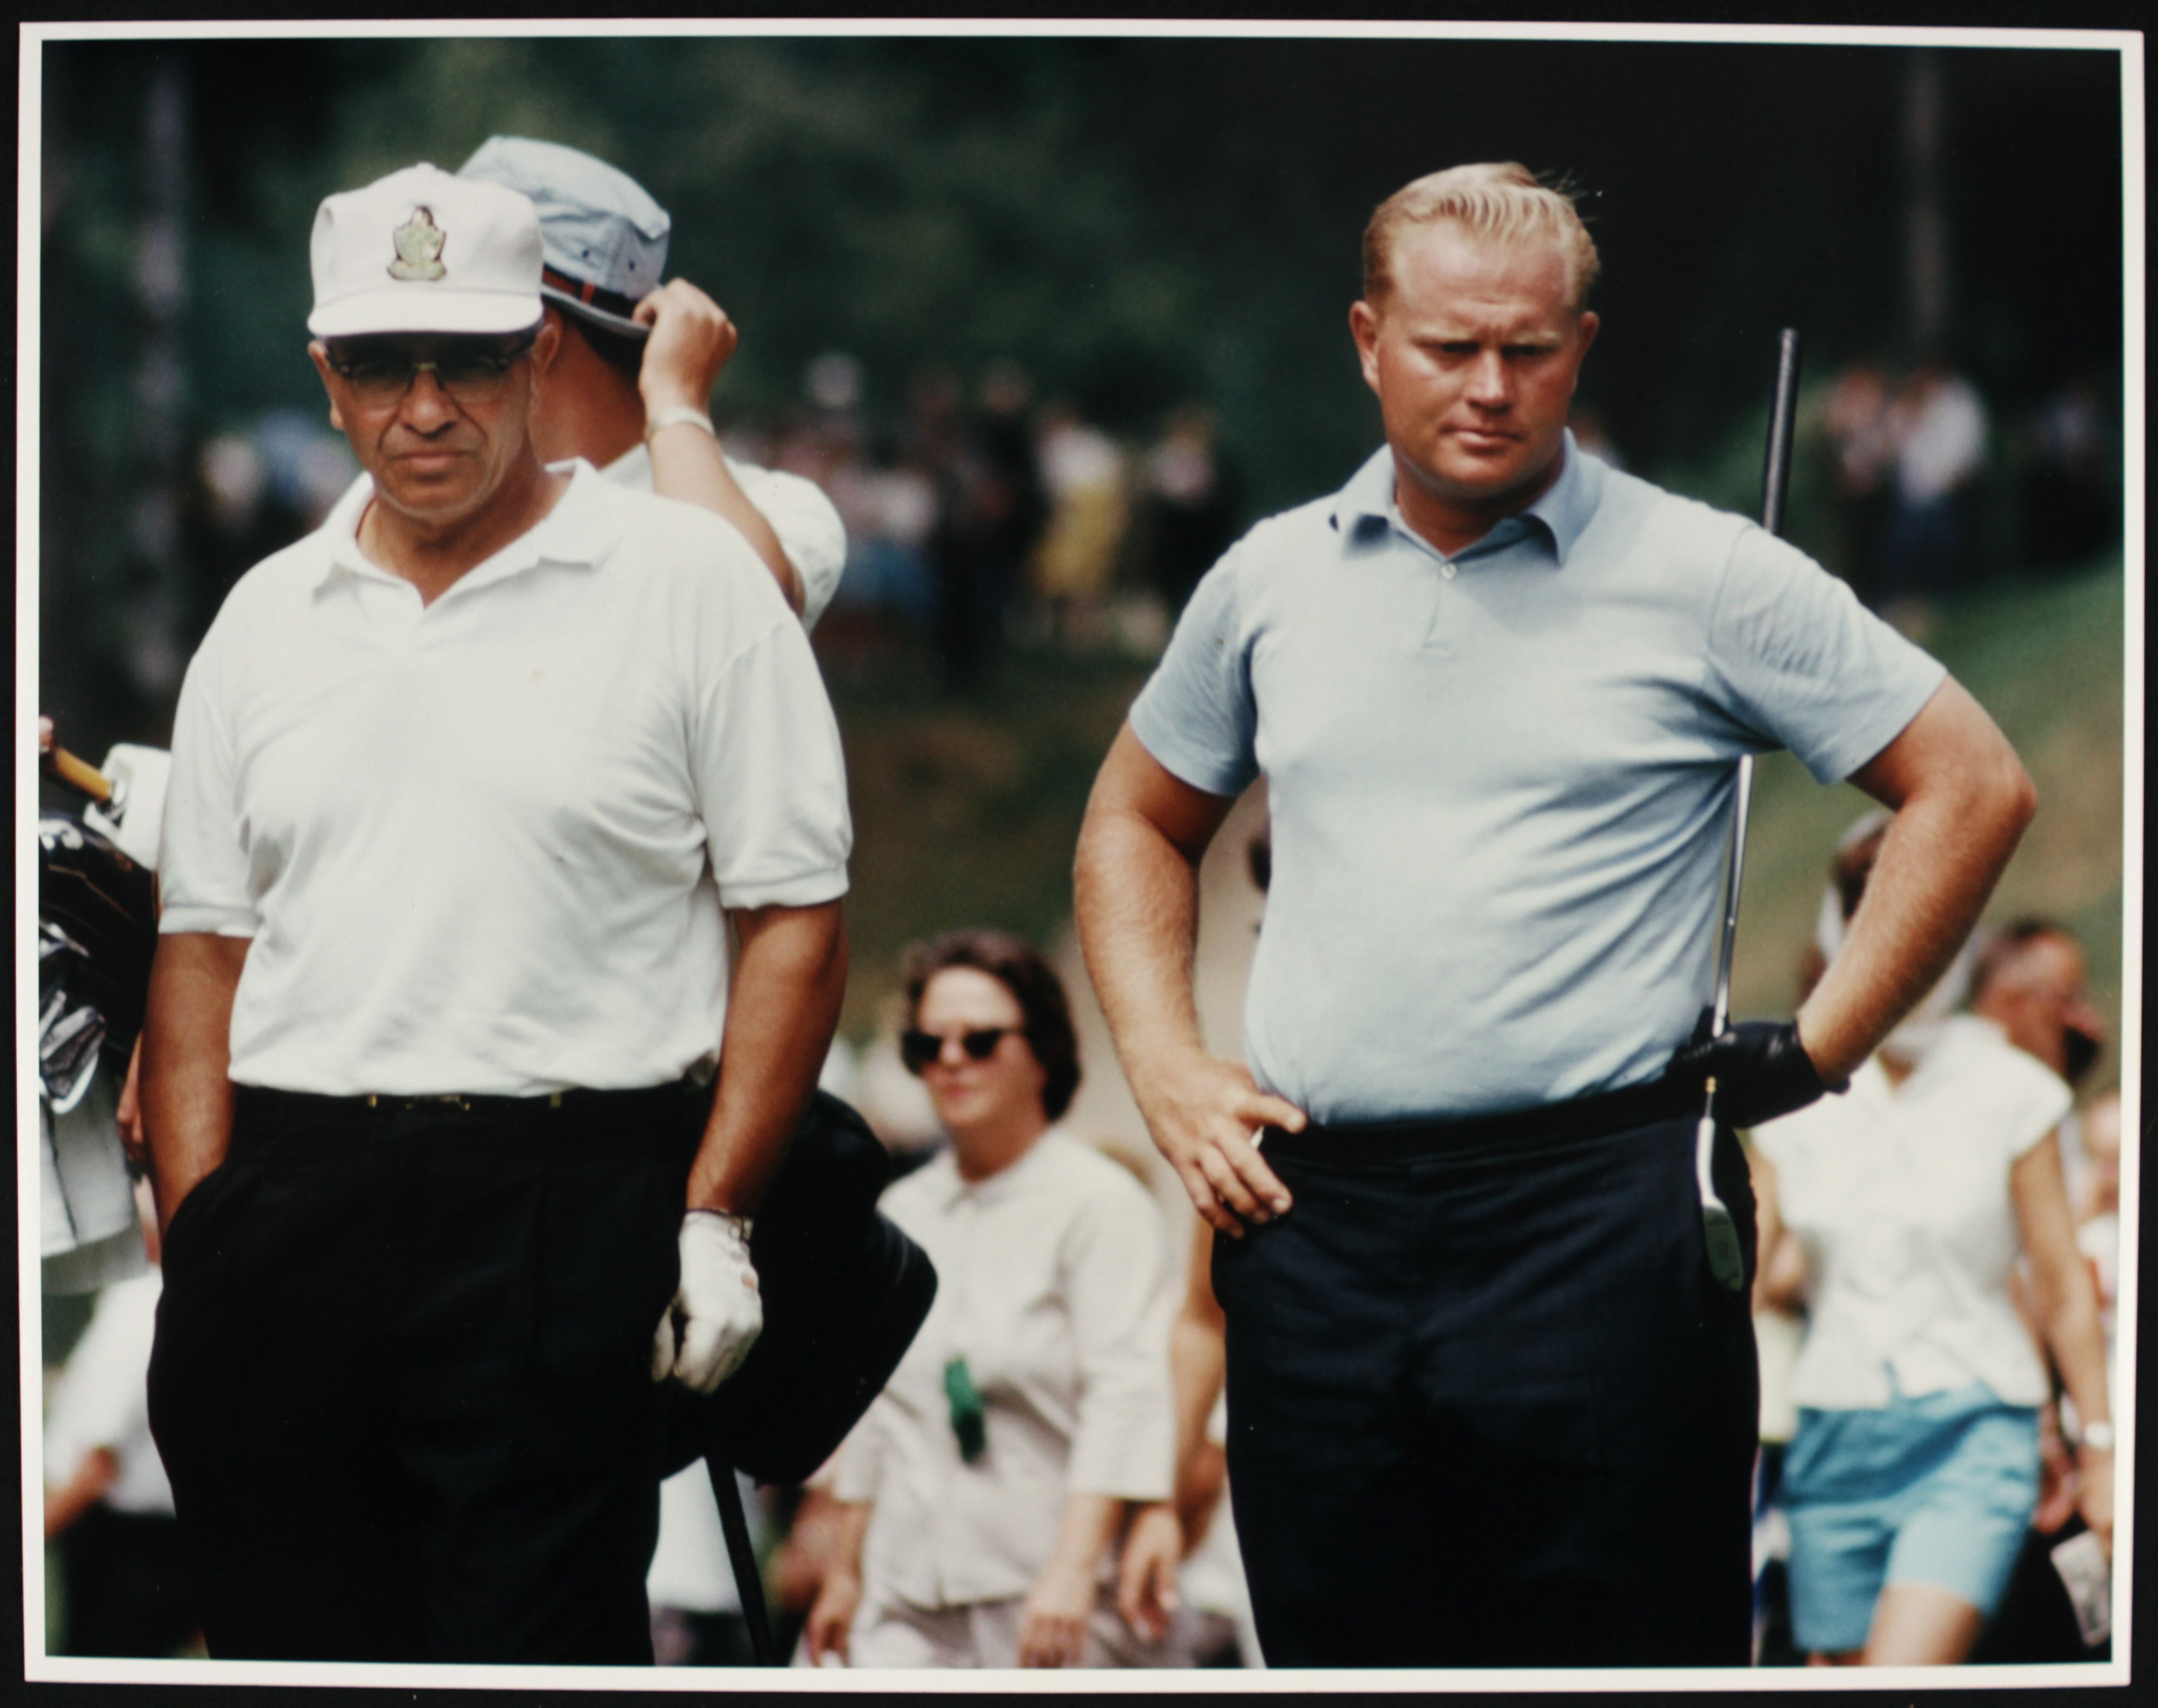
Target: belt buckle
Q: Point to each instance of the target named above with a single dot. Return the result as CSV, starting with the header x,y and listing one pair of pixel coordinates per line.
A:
x,y
456,1100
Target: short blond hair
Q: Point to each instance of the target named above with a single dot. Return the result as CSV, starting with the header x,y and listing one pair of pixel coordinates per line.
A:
x,y
1501,200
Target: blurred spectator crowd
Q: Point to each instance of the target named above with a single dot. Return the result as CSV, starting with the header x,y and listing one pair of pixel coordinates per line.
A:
x,y
1914,454
972,520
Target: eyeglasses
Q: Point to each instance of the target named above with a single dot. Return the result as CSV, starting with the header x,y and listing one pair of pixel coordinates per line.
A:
x,y
917,1050
470,373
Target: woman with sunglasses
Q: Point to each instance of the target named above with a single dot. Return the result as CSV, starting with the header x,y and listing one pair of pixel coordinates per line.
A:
x,y
983,1488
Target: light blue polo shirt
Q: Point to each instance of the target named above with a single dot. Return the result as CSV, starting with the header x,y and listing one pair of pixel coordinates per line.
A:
x,y
1501,783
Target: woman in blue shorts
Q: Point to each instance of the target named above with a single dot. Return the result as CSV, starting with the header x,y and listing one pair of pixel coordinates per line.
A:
x,y
1911,1481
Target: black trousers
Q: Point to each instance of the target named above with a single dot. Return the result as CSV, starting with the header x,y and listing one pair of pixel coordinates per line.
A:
x,y
1488,1407
402,1376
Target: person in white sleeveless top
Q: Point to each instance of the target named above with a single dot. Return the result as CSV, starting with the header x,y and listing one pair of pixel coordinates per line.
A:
x,y
1912,1478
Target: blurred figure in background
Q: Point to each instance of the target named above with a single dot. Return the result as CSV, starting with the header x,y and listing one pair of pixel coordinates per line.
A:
x,y
1179,1578
889,510
986,1486
1912,1478
1083,471
2070,477
1939,427
124,1585
990,511
2098,1211
1861,437
1188,506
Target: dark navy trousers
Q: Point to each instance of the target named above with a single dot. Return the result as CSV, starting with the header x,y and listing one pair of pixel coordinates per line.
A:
x,y
402,1379
1488,1407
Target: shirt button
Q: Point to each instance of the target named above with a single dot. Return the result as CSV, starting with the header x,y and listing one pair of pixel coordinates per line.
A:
x,y
1447,570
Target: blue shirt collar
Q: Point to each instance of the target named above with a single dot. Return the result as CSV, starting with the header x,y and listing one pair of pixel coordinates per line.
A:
x,y
1562,514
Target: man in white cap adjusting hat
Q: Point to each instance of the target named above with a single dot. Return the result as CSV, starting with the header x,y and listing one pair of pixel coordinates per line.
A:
x,y
433,1020
630,389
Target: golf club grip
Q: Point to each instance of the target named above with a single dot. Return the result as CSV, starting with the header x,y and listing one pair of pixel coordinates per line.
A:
x,y
79,774
1783,418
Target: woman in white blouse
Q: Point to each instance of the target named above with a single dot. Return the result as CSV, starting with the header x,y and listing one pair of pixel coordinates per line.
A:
x,y
1912,1478
985,1487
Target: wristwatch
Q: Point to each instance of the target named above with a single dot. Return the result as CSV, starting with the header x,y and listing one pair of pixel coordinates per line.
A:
x,y
2096,1435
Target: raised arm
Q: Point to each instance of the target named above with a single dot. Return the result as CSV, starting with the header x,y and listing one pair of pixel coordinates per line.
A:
x,y
692,339
1961,800
1136,891
186,1048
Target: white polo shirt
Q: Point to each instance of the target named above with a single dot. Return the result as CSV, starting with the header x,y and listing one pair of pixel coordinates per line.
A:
x,y
807,523
1899,1195
465,838
1052,1281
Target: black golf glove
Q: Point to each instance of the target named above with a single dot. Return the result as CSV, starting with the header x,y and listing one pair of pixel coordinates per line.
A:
x,y
1760,1068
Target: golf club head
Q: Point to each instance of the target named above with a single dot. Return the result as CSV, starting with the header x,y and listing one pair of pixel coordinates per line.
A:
x,y
1727,1257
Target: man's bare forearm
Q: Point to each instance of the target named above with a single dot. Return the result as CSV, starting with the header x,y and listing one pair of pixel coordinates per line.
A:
x,y
1961,800
1139,911
789,981
1136,892
187,1051
687,463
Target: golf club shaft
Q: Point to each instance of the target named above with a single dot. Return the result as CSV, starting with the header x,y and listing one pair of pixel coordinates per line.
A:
x,y
1775,482
1726,1254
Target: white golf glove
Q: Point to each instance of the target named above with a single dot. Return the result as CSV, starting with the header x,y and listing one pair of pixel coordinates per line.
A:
x,y
717,1314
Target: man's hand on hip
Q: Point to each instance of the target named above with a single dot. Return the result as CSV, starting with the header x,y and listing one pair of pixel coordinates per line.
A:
x,y
1203,1112
1761,1071
717,1314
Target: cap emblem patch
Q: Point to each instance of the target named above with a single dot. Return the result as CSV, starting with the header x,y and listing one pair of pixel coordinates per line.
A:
x,y
419,243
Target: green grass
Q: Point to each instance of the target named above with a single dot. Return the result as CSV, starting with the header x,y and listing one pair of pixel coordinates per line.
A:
x,y
967,811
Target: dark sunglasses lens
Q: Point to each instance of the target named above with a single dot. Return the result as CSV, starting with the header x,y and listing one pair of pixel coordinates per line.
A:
x,y
377,373
917,1050
981,1045
476,368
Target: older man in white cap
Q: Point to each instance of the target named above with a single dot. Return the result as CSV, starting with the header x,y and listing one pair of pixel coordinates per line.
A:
x,y
631,388
435,1016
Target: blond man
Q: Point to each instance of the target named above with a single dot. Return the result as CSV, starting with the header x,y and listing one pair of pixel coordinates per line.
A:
x,y
1487,1405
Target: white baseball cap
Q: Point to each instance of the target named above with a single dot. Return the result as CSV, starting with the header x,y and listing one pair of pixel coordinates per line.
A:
x,y
605,237
425,250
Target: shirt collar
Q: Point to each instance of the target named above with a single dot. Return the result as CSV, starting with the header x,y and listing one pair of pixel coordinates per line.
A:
x,y
581,530
951,1187
1561,515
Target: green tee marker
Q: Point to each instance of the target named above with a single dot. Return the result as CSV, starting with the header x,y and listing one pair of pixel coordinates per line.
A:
x,y
965,1400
